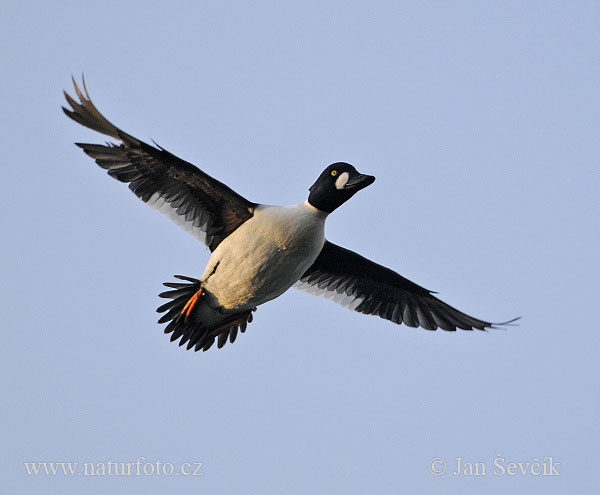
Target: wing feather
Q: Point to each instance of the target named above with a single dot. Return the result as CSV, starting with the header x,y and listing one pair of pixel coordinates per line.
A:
x,y
199,203
370,288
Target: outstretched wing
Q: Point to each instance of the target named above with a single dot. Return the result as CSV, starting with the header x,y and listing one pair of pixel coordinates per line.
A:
x,y
366,287
202,205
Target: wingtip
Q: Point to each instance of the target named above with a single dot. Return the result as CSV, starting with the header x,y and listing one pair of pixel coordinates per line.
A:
x,y
85,86
77,90
508,323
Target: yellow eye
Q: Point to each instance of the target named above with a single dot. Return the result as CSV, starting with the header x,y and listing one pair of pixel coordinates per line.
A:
x,y
333,173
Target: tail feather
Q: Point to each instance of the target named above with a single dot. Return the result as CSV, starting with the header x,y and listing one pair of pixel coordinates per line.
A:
x,y
188,329
233,335
222,339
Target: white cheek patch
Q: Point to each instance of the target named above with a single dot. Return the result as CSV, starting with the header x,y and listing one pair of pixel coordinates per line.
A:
x,y
341,180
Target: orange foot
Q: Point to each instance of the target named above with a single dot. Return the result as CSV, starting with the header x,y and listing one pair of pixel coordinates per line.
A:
x,y
189,306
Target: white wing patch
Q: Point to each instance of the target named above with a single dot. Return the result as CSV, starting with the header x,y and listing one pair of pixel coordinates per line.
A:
x,y
341,180
195,227
350,302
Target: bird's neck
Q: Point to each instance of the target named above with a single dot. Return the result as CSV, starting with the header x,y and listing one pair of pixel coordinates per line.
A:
x,y
314,210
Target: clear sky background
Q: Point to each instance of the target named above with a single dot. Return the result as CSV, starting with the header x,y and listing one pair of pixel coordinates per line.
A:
x,y
480,121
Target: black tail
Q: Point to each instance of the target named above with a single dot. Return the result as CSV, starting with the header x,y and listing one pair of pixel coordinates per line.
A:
x,y
190,330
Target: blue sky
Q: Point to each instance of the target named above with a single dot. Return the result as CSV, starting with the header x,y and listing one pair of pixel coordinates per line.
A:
x,y
480,121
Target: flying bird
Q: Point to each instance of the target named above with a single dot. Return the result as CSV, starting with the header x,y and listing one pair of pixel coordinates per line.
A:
x,y
258,251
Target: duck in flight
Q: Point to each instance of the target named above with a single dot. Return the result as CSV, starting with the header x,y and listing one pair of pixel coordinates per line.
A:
x,y
258,251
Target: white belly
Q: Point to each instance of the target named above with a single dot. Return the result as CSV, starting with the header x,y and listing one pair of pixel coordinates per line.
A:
x,y
265,256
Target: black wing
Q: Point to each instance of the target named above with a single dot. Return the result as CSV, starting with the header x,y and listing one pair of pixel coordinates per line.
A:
x,y
202,205
366,287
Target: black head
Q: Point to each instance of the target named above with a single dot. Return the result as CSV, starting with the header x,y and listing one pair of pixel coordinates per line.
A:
x,y
336,185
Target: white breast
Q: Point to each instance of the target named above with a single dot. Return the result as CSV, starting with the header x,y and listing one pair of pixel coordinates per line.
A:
x,y
265,256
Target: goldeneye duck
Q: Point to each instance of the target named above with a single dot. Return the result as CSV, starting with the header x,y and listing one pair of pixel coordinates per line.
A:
x,y
258,251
